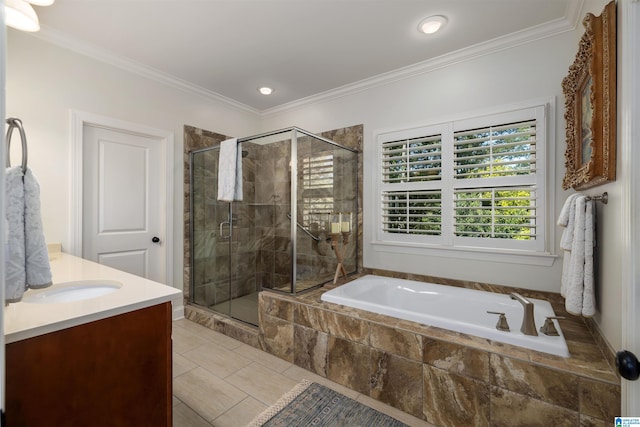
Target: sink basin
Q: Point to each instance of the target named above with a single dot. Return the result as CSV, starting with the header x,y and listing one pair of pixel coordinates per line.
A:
x,y
72,291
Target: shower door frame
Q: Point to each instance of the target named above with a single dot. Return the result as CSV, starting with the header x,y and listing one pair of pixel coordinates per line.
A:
x,y
293,207
294,194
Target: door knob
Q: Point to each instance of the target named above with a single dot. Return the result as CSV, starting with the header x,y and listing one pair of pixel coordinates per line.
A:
x,y
155,239
628,365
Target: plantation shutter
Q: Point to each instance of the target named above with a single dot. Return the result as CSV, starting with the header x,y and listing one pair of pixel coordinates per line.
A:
x,y
495,182
317,188
411,175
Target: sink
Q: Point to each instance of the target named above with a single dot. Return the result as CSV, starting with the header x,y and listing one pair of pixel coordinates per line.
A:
x,y
72,291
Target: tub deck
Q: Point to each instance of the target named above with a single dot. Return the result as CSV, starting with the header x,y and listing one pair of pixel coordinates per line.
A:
x,y
442,376
448,307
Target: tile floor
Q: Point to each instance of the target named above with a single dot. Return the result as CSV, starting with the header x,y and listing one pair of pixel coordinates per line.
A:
x,y
221,382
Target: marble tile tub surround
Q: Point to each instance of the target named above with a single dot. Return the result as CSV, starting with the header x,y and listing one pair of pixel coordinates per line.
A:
x,y
444,377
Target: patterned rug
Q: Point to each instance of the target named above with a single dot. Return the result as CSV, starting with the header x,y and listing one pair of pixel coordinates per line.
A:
x,y
312,404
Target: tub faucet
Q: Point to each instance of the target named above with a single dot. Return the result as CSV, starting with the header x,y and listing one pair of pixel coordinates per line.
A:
x,y
528,322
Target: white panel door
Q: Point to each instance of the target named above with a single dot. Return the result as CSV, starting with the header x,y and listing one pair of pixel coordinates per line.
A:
x,y
123,201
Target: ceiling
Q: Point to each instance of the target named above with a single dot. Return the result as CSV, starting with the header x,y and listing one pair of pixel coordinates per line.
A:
x,y
301,48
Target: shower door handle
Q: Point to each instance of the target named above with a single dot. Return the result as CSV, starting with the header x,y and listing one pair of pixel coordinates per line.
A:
x,y
222,236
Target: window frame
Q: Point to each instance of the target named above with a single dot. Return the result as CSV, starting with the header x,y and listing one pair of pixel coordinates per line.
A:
x,y
447,244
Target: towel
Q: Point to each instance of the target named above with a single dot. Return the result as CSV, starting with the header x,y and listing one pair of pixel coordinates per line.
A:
x,y
37,257
27,260
15,273
578,218
230,171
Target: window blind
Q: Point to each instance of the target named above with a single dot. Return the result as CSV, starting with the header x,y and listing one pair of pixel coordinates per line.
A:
x,y
478,182
504,150
412,212
412,160
505,213
316,172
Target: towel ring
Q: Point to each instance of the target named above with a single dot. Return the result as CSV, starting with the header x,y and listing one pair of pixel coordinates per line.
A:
x,y
16,123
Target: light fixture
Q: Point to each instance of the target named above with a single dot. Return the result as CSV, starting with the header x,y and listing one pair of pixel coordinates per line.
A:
x,y
432,24
265,90
20,15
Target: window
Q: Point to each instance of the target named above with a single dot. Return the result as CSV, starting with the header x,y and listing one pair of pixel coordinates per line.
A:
x,y
316,172
475,183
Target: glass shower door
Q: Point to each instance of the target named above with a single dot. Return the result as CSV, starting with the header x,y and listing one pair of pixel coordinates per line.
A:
x,y
223,267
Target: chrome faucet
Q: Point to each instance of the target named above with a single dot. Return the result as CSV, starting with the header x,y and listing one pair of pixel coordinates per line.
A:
x,y
528,322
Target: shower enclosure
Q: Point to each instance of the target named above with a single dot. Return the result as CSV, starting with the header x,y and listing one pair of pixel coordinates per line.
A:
x,y
279,236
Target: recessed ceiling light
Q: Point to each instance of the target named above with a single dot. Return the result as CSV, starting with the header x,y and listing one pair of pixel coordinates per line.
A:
x,y
432,24
265,90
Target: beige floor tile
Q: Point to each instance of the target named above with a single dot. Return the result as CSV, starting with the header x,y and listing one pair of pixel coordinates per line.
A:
x,y
261,383
181,365
183,416
208,334
241,414
221,382
217,360
208,395
265,359
185,340
176,401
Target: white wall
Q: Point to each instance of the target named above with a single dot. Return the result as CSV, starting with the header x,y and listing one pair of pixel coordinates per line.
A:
x,y
45,82
527,72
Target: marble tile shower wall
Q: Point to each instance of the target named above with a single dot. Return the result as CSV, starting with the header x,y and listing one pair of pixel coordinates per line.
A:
x,y
215,258
261,240
272,204
316,260
266,261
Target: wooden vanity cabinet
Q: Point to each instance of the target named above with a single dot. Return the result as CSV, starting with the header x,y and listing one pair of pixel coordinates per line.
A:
x,y
110,372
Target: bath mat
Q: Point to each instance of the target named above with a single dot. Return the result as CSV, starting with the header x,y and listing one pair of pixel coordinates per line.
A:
x,y
312,404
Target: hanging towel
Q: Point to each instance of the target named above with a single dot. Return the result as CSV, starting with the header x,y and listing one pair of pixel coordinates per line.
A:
x,y
230,171
27,260
37,265
15,274
577,216
566,220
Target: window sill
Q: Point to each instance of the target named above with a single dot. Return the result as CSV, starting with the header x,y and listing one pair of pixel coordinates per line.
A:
x,y
542,259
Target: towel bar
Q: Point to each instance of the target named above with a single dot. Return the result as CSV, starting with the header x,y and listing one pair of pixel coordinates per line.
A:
x,y
604,198
16,123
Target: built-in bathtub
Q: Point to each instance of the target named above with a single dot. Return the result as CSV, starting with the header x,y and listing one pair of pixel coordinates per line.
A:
x,y
457,309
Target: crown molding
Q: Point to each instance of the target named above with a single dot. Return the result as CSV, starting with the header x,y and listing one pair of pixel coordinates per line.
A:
x,y
568,23
126,64
552,28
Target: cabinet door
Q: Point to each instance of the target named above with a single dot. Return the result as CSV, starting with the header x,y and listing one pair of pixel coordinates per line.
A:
x,y
111,372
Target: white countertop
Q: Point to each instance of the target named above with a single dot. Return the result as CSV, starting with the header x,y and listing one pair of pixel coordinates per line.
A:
x,y
24,320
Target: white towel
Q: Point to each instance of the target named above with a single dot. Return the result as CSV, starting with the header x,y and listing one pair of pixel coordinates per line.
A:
x,y
37,256
230,171
15,274
566,218
588,295
27,261
577,241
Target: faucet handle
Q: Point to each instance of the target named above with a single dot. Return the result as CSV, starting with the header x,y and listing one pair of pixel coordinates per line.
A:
x,y
549,328
502,324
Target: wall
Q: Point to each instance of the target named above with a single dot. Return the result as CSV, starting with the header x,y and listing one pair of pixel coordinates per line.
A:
x,y
525,72
44,82
529,71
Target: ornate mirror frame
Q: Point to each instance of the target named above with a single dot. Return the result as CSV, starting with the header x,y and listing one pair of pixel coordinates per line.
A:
x,y
590,105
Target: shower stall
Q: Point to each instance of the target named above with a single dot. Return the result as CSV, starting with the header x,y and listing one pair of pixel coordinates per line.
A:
x,y
279,236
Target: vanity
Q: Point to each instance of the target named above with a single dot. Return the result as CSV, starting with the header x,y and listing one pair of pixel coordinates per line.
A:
x,y
92,349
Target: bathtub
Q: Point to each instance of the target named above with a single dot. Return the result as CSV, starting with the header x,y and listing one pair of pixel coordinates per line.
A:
x,y
448,307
